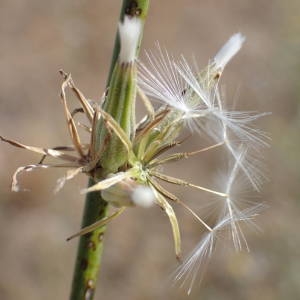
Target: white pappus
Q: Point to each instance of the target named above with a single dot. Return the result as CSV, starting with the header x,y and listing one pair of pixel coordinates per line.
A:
x,y
196,98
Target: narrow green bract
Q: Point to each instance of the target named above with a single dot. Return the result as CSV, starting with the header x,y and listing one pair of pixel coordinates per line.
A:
x,y
120,105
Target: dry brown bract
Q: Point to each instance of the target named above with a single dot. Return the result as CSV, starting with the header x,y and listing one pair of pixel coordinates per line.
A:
x,y
77,158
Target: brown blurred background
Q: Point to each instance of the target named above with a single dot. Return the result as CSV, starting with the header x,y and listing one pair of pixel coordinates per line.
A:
x,y
40,37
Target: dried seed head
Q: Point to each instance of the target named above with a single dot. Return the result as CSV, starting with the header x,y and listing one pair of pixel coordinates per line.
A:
x,y
133,153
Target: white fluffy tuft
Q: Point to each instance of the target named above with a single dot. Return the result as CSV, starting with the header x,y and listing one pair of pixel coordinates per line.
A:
x,y
230,49
201,107
143,196
161,80
129,32
193,266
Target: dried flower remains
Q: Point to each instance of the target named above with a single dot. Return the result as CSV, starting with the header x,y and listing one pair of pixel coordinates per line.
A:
x,y
124,157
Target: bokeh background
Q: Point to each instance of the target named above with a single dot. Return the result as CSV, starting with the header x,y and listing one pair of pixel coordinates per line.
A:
x,y
37,38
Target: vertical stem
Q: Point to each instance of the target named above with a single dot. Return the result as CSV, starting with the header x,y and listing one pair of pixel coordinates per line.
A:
x,y
90,247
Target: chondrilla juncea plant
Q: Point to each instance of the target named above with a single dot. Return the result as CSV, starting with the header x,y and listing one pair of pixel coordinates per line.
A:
x,y
123,157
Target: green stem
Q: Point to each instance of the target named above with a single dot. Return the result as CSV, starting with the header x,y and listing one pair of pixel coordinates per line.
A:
x,y
90,247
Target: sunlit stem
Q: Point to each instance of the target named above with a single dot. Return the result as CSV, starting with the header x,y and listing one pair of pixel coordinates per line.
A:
x,y
207,190
182,155
147,103
97,224
184,183
173,220
196,216
172,197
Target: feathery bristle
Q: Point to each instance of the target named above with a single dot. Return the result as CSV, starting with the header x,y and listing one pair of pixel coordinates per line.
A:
x,y
161,80
194,264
